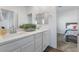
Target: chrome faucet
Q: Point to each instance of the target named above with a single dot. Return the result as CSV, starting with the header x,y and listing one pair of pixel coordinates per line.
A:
x,y
12,29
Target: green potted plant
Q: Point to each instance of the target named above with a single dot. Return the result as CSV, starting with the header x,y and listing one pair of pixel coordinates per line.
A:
x,y
28,27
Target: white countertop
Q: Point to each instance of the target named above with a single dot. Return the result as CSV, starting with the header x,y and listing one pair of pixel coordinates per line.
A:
x,y
11,37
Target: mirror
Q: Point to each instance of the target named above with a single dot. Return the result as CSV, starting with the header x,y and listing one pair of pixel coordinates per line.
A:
x,y
41,19
29,18
7,19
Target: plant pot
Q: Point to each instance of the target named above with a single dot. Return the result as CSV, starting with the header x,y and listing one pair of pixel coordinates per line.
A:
x,y
29,29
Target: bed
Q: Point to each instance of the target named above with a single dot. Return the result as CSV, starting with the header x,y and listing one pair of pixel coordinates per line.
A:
x,y
71,32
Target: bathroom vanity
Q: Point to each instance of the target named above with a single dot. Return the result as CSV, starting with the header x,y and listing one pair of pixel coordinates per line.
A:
x,y
35,41
22,41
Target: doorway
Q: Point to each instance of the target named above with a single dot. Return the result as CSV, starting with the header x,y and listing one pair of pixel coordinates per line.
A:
x,y
67,29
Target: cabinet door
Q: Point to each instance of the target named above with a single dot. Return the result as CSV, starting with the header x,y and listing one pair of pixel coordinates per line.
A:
x,y
45,39
28,47
16,50
38,42
9,47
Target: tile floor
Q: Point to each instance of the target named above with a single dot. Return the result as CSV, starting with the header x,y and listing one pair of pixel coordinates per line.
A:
x,y
66,46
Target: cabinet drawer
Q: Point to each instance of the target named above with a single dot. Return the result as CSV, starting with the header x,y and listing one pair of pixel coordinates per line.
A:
x,y
15,44
26,40
9,47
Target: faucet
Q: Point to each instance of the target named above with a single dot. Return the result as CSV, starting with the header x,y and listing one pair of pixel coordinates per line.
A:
x,y
12,29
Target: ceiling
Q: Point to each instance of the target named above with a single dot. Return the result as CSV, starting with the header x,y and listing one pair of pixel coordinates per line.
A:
x,y
66,8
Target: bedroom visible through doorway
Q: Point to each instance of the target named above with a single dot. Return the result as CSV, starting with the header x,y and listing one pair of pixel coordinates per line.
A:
x,y
67,28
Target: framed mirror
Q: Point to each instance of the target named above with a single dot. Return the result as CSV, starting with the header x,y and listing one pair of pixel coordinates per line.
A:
x,y
41,19
30,18
7,19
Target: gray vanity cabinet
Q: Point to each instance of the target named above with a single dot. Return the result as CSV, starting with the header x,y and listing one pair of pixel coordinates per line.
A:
x,y
32,43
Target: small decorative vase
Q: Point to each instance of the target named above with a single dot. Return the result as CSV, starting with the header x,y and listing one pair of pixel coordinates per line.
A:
x,y
2,32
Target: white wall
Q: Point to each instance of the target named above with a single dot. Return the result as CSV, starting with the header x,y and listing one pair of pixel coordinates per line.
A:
x,y
65,17
53,27
51,15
